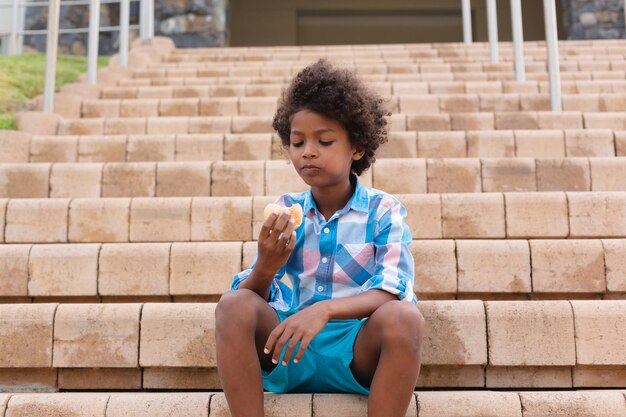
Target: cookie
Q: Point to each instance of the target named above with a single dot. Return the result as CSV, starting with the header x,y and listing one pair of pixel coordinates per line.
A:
x,y
294,211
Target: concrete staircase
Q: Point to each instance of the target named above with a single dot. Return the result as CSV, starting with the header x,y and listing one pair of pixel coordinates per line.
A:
x,y
126,214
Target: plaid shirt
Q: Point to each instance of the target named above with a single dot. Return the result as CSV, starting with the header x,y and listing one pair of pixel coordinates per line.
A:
x,y
363,246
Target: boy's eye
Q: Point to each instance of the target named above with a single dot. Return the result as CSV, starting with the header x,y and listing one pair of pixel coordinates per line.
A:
x,y
297,144
326,143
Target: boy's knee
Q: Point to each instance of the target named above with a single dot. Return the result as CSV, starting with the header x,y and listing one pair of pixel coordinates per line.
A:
x,y
402,320
237,305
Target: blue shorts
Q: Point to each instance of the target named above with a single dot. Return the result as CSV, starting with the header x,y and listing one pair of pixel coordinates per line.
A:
x,y
325,365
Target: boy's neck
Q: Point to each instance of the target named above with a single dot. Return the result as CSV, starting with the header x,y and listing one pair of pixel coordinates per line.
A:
x,y
329,200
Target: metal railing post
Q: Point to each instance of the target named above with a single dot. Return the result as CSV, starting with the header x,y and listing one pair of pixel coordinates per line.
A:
x,y
143,18
150,29
518,39
124,31
492,23
51,54
549,14
94,32
15,30
467,21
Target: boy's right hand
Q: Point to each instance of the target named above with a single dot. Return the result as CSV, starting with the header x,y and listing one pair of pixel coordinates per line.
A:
x,y
276,241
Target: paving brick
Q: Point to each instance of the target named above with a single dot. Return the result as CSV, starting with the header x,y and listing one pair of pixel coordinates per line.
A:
x,y
160,219
179,107
607,120
257,106
160,404
613,102
250,146
125,126
100,108
252,124
441,145
222,106
435,266
26,335
447,87
615,260
24,180
508,174
534,102
597,214
607,174
221,218
581,102
139,108
14,270
536,215
568,266
563,120
397,122
520,335
275,405
453,175
99,220
167,125
540,143
419,104
423,215
529,377
558,174
457,333
196,175
150,148
102,148
53,149
330,405
399,145
191,261
493,266
572,404
457,376
459,103
58,404
177,335
14,146
136,179
590,142
620,143
104,335
199,147
410,88
76,180
134,269
498,102
181,378
599,376
281,177
516,120
63,270
483,87
520,87
85,379
469,404
191,91
490,144
36,220
79,127
600,331
118,92
238,178
473,215
398,176
472,121
428,122
212,124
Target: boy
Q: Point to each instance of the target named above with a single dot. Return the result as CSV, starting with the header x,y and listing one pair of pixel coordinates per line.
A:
x,y
350,323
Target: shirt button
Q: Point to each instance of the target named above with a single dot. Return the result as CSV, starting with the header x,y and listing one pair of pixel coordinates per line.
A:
x,y
327,230
324,260
320,288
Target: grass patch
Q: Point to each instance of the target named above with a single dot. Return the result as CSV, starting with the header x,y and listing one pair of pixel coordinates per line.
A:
x,y
22,78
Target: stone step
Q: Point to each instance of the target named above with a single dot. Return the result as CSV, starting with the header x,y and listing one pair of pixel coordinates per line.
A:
x,y
511,269
564,403
432,216
216,88
259,178
17,147
404,104
398,122
512,344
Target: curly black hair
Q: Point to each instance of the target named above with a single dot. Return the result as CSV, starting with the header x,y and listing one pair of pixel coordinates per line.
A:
x,y
340,95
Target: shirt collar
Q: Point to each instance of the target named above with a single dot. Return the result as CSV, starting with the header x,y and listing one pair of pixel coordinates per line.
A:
x,y
359,200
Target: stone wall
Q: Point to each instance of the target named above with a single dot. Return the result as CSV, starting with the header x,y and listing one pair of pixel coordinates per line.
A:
x,y
594,19
188,22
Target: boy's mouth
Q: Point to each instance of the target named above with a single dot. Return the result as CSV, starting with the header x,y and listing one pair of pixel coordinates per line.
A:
x,y
310,169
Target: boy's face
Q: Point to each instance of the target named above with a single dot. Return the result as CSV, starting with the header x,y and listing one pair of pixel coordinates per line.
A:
x,y
320,149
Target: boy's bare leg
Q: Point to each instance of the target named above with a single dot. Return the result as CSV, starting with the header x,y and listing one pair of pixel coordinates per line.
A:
x,y
387,357
243,323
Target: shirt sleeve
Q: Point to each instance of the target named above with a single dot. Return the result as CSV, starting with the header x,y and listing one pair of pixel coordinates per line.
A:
x,y
394,266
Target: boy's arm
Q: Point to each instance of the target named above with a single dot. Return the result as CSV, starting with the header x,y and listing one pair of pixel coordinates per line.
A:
x,y
356,306
259,282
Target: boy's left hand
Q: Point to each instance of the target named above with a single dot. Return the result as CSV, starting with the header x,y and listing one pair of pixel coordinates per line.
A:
x,y
300,327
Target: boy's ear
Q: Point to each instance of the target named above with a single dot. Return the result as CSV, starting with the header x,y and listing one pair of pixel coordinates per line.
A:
x,y
357,154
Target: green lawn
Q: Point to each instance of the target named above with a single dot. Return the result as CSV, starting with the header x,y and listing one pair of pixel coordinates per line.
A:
x,y
21,78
